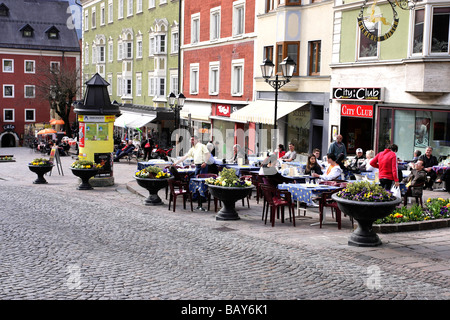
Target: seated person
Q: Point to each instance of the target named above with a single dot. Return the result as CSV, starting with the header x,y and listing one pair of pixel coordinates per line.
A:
x,y
429,161
370,154
418,176
125,150
281,151
239,153
321,163
291,154
269,171
333,171
312,165
446,179
357,161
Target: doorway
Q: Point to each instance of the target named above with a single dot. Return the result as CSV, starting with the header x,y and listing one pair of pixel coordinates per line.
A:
x,y
8,140
357,133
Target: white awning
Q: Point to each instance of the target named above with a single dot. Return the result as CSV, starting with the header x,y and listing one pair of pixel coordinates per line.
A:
x,y
133,119
198,110
263,111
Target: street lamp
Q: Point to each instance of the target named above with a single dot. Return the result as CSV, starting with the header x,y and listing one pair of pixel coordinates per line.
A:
x,y
176,104
287,69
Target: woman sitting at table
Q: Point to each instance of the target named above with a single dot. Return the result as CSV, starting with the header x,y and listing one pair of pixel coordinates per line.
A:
x,y
269,171
312,165
333,171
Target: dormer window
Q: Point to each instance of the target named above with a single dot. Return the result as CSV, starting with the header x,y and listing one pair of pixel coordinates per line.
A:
x,y
52,33
4,10
27,31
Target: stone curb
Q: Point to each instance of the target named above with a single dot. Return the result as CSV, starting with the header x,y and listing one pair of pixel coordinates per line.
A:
x,y
411,226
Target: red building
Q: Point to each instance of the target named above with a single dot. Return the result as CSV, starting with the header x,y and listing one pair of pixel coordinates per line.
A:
x,y
31,42
218,58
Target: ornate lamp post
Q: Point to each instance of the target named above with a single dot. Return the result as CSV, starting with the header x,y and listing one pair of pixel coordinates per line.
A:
x,y
287,69
176,109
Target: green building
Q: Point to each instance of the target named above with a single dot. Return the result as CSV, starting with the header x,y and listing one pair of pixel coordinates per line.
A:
x,y
133,45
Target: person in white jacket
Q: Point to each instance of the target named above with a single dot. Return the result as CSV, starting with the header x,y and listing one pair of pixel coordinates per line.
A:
x,y
333,170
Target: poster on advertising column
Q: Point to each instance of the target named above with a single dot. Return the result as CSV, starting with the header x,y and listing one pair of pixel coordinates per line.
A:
x,y
81,134
102,132
91,131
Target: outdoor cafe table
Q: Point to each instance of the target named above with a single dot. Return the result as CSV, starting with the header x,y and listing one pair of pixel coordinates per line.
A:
x,y
198,185
238,168
153,162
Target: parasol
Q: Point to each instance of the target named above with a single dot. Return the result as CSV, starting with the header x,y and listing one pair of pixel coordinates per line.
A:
x,y
54,121
47,131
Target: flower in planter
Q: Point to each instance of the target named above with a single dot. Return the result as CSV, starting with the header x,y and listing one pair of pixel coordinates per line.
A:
x,y
228,178
41,162
153,173
85,164
365,191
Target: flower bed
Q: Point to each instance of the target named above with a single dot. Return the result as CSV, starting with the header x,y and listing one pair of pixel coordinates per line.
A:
x,y
85,164
153,172
6,158
41,162
228,178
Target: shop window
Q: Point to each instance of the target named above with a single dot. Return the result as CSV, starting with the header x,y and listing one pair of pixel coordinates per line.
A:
x,y
440,30
289,49
314,58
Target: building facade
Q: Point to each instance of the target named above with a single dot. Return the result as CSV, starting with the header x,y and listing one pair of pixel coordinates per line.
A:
x,y
31,44
392,89
133,45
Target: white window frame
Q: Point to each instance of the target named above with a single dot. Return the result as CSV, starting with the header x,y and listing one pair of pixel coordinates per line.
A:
x,y
128,90
175,41
110,11
102,14
86,54
110,81
139,49
358,44
93,18
195,31
13,90
138,84
120,9
214,33
130,8
151,4
235,91
110,51
139,6
161,2
25,91
25,115
25,66
214,69
101,58
13,115
86,20
237,5
174,82
194,69
128,50
151,84
12,65
119,51
119,85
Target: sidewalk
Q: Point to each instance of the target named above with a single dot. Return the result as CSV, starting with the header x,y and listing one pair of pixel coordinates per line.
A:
x,y
422,251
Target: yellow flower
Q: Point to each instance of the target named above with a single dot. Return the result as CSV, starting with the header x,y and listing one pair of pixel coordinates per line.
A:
x,y
429,200
440,199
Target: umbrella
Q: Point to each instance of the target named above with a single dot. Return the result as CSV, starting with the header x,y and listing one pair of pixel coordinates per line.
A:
x,y
47,131
54,121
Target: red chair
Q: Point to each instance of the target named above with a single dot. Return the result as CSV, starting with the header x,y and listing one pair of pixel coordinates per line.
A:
x,y
179,188
275,199
326,201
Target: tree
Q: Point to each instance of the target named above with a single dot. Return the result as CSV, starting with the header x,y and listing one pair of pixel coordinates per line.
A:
x,y
59,85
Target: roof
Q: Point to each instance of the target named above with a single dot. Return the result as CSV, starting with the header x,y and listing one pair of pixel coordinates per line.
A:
x,y
39,15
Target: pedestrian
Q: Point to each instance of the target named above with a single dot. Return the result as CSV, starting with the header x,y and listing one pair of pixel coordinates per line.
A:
x,y
199,153
338,147
147,146
429,161
386,162
333,171
291,154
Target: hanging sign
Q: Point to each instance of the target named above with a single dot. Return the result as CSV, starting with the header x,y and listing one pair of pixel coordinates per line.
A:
x,y
373,20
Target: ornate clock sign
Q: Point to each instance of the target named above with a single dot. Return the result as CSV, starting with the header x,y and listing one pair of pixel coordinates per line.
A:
x,y
403,4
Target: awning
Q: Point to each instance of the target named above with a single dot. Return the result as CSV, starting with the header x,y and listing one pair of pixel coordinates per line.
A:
x,y
133,119
262,111
198,110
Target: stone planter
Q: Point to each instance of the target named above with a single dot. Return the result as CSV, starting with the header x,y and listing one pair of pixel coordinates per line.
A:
x,y
153,186
365,213
84,175
40,171
229,196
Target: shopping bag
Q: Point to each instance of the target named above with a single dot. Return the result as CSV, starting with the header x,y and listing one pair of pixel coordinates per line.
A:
x,y
396,191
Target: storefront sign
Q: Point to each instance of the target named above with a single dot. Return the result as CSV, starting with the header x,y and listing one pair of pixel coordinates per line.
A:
x,y
364,94
223,110
357,111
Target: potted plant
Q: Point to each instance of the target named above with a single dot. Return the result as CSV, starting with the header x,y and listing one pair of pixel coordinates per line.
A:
x,y
153,179
40,166
365,202
84,169
228,188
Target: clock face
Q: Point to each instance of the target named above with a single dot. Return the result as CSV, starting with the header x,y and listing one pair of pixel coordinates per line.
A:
x,y
367,23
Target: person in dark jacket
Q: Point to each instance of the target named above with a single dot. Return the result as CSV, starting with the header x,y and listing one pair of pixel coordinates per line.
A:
x,y
416,179
147,146
428,162
312,166
124,151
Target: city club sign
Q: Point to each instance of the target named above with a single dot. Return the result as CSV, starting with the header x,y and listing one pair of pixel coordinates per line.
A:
x,y
357,111
358,94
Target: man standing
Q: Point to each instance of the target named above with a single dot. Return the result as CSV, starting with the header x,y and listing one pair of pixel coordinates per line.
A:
x,y
428,162
291,154
338,148
199,153
386,162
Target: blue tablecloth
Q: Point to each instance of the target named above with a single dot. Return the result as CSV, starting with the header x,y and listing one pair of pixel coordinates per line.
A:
x,y
238,168
303,193
143,164
198,185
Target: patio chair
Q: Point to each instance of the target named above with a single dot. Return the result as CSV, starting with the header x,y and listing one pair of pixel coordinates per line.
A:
x,y
408,194
277,199
179,188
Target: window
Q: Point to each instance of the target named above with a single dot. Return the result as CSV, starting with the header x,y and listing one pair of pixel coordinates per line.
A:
x,y
138,84
368,49
193,81
119,51
314,58
128,87
86,20
52,32
293,2
29,91
270,5
288,49
195,28
138,6
162,2
93,19
161,43
237,77
238,18
101,54
8,115
268,53
8,65
102,14
119,85
174,84
110,11
30,115
440,30
162,87
215,24
175,42
130,8
151,4
139,49
418,31
27,31
120,11
110,79
86,54
129,52
151,85
8,91
29,66
4,10
54,66
214,68
110,51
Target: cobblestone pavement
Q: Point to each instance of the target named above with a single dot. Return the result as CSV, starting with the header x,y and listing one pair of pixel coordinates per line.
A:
x,y
57,242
